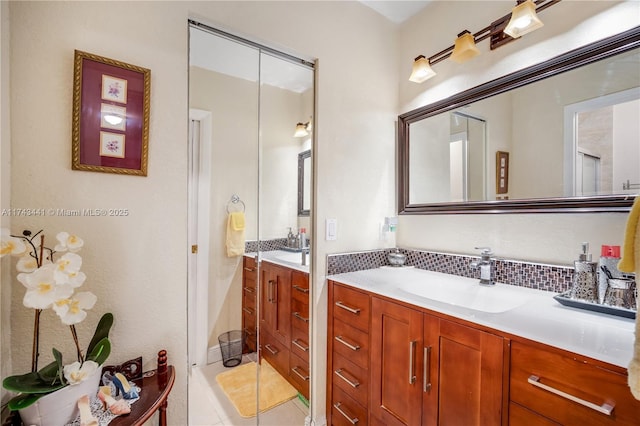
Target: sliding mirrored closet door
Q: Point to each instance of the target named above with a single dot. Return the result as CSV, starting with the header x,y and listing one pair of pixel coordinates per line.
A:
x,y
253,174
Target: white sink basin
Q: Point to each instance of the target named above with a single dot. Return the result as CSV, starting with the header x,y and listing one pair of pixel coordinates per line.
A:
x,y
289,257
467,293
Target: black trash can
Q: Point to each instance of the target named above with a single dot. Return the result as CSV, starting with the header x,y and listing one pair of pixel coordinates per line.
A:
x,y
231,344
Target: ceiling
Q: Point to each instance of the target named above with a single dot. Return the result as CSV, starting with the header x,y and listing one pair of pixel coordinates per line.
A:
x,y
396,11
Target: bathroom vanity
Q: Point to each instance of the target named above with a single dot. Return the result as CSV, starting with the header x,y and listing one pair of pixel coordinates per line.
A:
x,y
397,357
283,318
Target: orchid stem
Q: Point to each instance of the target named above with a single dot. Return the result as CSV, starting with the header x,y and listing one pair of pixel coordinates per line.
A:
x,y
36,341
75,339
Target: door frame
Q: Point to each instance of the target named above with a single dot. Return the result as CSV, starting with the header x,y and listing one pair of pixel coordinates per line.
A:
x,y
199,185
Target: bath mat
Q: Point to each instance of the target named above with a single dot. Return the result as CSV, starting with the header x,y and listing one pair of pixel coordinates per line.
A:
x,y
239,385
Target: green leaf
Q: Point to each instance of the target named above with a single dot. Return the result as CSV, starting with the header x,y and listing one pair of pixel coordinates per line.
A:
x,y
31,383
102,331
100,351
23,401
49,373
58,357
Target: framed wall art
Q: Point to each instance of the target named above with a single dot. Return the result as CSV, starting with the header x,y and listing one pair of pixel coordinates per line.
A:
x,y
110,115
502,172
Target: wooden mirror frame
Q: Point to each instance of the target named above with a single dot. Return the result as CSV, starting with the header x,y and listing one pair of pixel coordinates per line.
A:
x,y
573,59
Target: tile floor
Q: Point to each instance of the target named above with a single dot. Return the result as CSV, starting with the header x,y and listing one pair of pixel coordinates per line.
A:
x,y
209,406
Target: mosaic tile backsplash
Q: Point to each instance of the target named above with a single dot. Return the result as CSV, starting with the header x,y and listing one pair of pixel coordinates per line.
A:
x,y
539,276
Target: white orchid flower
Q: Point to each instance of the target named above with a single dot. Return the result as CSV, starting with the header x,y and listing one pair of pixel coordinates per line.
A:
x,y
67,241
71,310
27,263
42,289
76,373
10,245
68,270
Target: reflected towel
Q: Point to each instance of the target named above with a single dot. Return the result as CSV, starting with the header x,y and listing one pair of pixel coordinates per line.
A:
x,y
235,234
630,262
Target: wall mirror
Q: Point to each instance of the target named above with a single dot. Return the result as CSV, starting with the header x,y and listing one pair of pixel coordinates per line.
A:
x,y
245,100
568,127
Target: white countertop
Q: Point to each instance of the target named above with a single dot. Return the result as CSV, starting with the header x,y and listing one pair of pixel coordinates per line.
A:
x,y
540,318
289,259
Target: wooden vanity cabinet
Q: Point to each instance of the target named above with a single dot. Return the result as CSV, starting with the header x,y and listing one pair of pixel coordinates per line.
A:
x,y
431,371
348,356
550,386
299,342
275,302
249,303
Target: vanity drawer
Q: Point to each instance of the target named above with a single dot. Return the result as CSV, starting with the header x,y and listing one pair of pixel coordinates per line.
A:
x,y
351,306
351,378
300,286
569,389
521,416
299,374
275,353
350,342
345,411
300,314
300,343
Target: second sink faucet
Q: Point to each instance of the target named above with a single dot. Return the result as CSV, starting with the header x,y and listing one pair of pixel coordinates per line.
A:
x,y
485,265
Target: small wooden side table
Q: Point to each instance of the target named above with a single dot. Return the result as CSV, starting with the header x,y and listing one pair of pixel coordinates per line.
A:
x,y
156,386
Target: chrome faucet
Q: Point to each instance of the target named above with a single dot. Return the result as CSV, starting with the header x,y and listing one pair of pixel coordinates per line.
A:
x,y
485,265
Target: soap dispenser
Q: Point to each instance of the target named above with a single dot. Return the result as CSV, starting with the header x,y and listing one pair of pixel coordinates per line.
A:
x,y
585,277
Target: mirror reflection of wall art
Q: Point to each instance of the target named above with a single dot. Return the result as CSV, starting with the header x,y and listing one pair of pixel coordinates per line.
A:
x,y
502,172
110,115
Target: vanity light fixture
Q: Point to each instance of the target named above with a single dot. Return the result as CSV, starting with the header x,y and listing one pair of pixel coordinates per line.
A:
x,y
421,70
301,131
464,48
522,20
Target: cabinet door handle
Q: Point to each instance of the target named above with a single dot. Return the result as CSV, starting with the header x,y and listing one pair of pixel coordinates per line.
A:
x,y
300,317
604,408
353,420
248,310
352,383
249,289
300,289
270,349
270,291
302,376
355,311
412,350
302,347
347,344
249,269
426,374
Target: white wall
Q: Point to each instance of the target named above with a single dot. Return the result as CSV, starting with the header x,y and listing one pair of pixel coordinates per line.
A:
x,y
137,264
551,238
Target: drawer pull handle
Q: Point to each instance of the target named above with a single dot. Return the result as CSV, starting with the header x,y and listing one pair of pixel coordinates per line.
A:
x,y
337,406
426,375
347,344
302,376
604,408
353,384
249,290
300,317
248,310
412,350
249,269
300,289
301,347
355,311
270,349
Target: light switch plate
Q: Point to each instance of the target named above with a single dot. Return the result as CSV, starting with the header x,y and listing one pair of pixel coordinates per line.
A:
x,y
331,229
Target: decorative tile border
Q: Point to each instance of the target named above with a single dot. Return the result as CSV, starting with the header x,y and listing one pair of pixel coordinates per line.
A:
x,y
265,245
555,278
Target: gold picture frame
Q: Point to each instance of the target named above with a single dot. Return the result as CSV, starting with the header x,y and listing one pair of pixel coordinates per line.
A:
x,y
110,126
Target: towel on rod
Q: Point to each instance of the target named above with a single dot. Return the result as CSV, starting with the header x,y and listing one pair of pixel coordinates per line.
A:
x,y
630,262
235,234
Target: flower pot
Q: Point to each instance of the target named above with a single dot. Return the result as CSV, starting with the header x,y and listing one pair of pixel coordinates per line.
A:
x,y
61,407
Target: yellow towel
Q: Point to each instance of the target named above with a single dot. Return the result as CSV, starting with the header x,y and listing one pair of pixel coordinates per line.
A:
x,y
631,246
630,262
235,234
